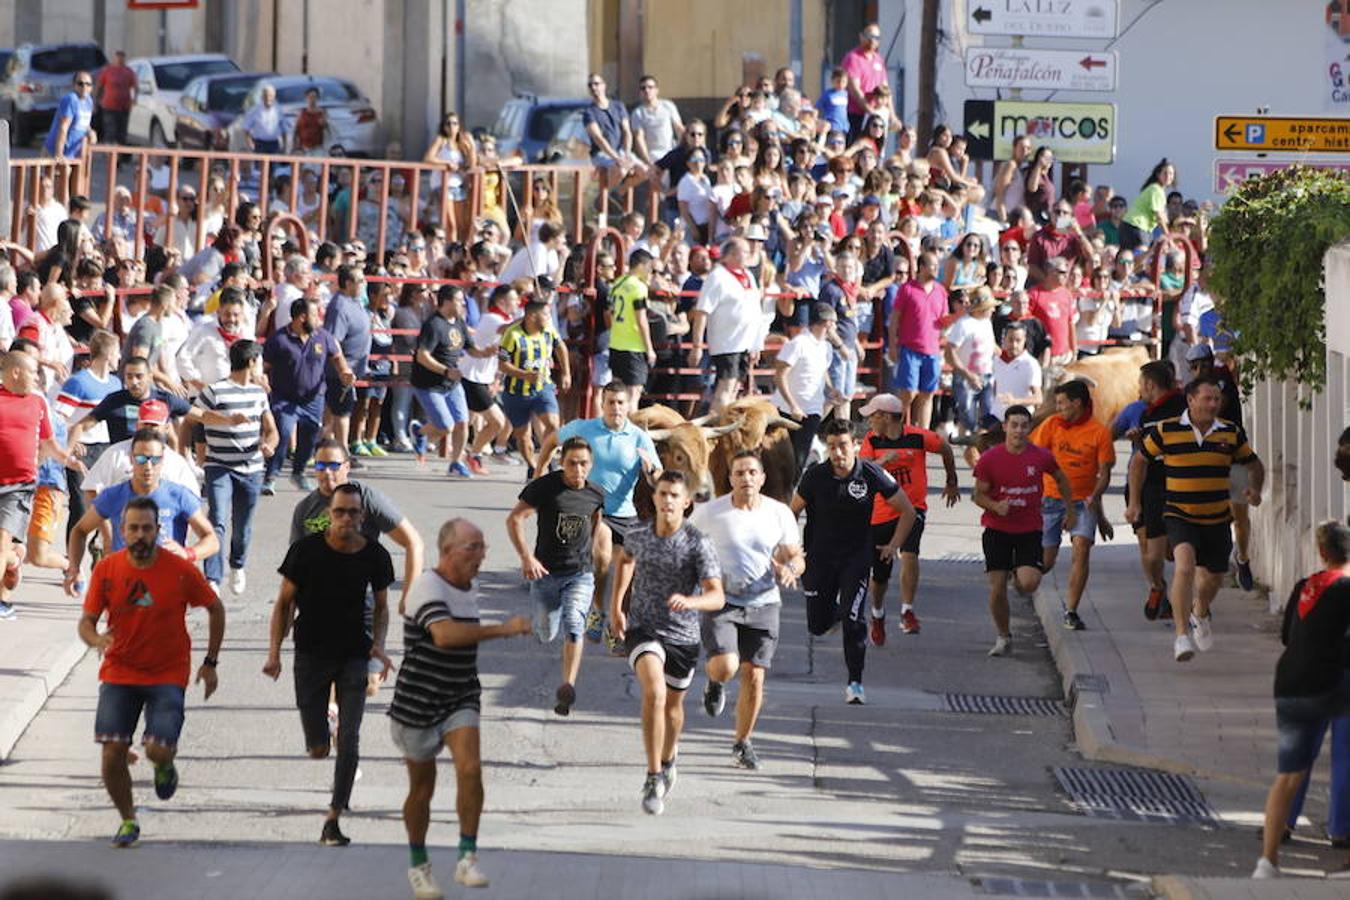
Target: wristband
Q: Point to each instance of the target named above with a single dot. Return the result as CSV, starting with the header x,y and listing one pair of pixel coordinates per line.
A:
x,y
190,553
210,661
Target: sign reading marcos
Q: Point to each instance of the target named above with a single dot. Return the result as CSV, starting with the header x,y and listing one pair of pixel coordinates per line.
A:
x,y
1076,132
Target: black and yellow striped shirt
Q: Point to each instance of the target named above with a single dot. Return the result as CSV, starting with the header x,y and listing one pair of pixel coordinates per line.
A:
x,y
1197,471
531,352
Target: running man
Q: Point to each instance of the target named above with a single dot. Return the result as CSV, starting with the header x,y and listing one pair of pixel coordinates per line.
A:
x,y
758,545
1163,400
147,654
631,354
902,451
324,582
438,697
1009,479
838,497
675,576
570,511
525,353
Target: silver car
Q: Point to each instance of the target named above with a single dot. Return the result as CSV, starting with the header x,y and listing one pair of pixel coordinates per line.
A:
x,y
160,81
36,77
355,126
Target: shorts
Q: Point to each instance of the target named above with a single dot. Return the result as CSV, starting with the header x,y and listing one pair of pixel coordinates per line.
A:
x,y
1152,502
619,526
48,504
844,372
1239,479
520,408
605,161
1005,551
678,660
1053,514
478,397
560,603
629,367
120,706
339,399
918,371
1213,544
1300,722
443,409
422,744
731,366
751,632
16,507
378,376
882,532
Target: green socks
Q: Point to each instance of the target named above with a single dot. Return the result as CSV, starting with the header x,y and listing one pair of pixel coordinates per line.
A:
x,y
418,852
467,844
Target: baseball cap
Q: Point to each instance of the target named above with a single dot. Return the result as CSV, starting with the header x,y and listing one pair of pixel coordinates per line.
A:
x,y
152,412
1199,352
887,403
871,200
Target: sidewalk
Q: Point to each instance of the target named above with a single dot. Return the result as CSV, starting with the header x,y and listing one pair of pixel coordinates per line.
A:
x,y
38,648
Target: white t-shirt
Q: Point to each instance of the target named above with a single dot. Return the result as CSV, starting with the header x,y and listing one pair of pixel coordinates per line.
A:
x,y
546,262
174,330
657,124
483,370
808,361
1015,378
745,540
973,342
735,320
698,193
286,294
114,467
49,218
1091,333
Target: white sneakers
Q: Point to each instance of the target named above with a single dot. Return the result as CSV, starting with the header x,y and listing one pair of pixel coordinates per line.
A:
x,y
467,872
1002,645
238,582
424,886
1265,869
1183,648
1201,638
854,694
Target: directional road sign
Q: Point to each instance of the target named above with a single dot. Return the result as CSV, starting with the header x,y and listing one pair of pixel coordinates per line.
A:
x,y
1044,18
1076,132
1051,70
1229,173
1282,134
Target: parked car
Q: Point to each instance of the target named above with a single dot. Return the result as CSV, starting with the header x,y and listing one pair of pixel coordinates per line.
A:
x,y
571,145
160,81
356,131
36,77
527,123
207,107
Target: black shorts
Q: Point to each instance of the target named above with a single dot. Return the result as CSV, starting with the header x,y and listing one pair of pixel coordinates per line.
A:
x,y
629,367
1152,501
1006,552
751,632
478,397
882,532
619,526
678,660
731,366
1213,544
341,400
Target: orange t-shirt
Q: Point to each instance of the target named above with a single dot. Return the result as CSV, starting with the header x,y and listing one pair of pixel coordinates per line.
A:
x,y
147,612
1080,449
904,459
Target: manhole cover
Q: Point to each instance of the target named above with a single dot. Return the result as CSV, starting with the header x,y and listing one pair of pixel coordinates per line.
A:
x,y
969,558
1136,795
993,705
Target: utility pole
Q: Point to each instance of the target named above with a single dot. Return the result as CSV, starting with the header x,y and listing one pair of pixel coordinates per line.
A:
x,y
927,72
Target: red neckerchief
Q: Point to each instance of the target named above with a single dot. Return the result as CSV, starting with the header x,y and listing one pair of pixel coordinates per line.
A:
x,y
228,338
1152,407
741,276
1313,589
1005,356
850,289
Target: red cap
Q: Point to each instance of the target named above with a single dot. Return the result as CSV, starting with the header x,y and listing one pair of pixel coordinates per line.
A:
x,y
152,412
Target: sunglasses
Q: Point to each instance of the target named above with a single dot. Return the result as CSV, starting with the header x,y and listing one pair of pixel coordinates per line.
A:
x,y
322,466
84,83
142,458
345,511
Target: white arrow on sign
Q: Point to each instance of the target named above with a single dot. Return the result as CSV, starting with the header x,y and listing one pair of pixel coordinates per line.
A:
x,y
1036,69
978,129
1044,18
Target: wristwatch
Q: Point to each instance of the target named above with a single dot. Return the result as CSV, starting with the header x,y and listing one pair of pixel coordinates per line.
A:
x,y
210,661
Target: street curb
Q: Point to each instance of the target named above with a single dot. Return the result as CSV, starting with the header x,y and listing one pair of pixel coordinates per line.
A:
x,y
1178,887
15,719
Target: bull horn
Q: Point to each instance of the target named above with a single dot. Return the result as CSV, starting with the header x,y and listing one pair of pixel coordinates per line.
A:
x,y
659,434
701,420
712,431
786,423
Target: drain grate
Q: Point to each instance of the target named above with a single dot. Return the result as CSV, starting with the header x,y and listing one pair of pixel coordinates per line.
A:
x,y
1027,887
994,705
1094,683
1135,795
969,558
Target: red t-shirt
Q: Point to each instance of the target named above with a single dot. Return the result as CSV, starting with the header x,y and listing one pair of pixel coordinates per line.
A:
x,y
309,125
904,459
24,421
116,83
739,206
147,610
1054,309
1016,478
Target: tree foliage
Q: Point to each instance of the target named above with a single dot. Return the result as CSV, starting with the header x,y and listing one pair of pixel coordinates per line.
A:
x,y
1265,248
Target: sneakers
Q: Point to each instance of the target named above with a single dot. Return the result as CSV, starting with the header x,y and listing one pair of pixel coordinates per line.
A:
x,y
909,623
360,448
419,439
1072,622
166,780
1201,633
269,488
376,450
459,470
652,804
1183,648
332,836
1165,611
1244,575
854,695
238,582
669,773
714,698
1002,645
1153,605
302,482
565,696
476,464
504,458
595,625
127,835
878,631
424,886
1265,869
467,872
743,755
7,610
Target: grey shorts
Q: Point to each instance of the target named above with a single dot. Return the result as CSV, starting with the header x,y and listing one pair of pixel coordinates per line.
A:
x,y
16,507
422,744
751,632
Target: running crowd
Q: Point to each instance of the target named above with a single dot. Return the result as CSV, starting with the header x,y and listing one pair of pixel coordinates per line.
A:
x,y
194,380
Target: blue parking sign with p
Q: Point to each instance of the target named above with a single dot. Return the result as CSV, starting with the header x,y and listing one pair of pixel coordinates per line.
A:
x,y
1256,133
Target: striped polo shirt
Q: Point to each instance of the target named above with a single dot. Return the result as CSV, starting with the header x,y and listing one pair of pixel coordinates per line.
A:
x,y
1197,466
530,352
235,447
434,682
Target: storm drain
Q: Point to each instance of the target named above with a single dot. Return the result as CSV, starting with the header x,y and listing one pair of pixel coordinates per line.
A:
x,y
1136,795
968,558
1026,887
994,705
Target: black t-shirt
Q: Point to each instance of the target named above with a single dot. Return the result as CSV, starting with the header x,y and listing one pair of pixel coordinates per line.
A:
x,y
80,329
1317,643
330,595
563,543
120,410
1169,407
839,510
879,267
1232,395
446,341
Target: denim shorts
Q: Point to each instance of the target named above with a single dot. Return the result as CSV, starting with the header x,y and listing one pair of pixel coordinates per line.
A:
x,y
422,744
560,603
1300,721
918,371
120,706
1053,514
844,372
519,408
443,408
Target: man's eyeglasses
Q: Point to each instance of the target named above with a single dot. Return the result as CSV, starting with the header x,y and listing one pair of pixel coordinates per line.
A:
x,y
84,83
345,511
142,458
326,466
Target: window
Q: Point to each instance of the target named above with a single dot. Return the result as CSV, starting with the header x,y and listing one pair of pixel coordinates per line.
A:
x,y
227,94
175,76
330,91
70,58
546,121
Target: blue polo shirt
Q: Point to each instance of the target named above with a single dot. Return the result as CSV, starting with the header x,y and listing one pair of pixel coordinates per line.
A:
x,y
616,466
296,365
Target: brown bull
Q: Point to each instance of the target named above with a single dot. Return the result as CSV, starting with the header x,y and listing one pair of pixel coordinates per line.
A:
x,y
1112,377
761,428
682,446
